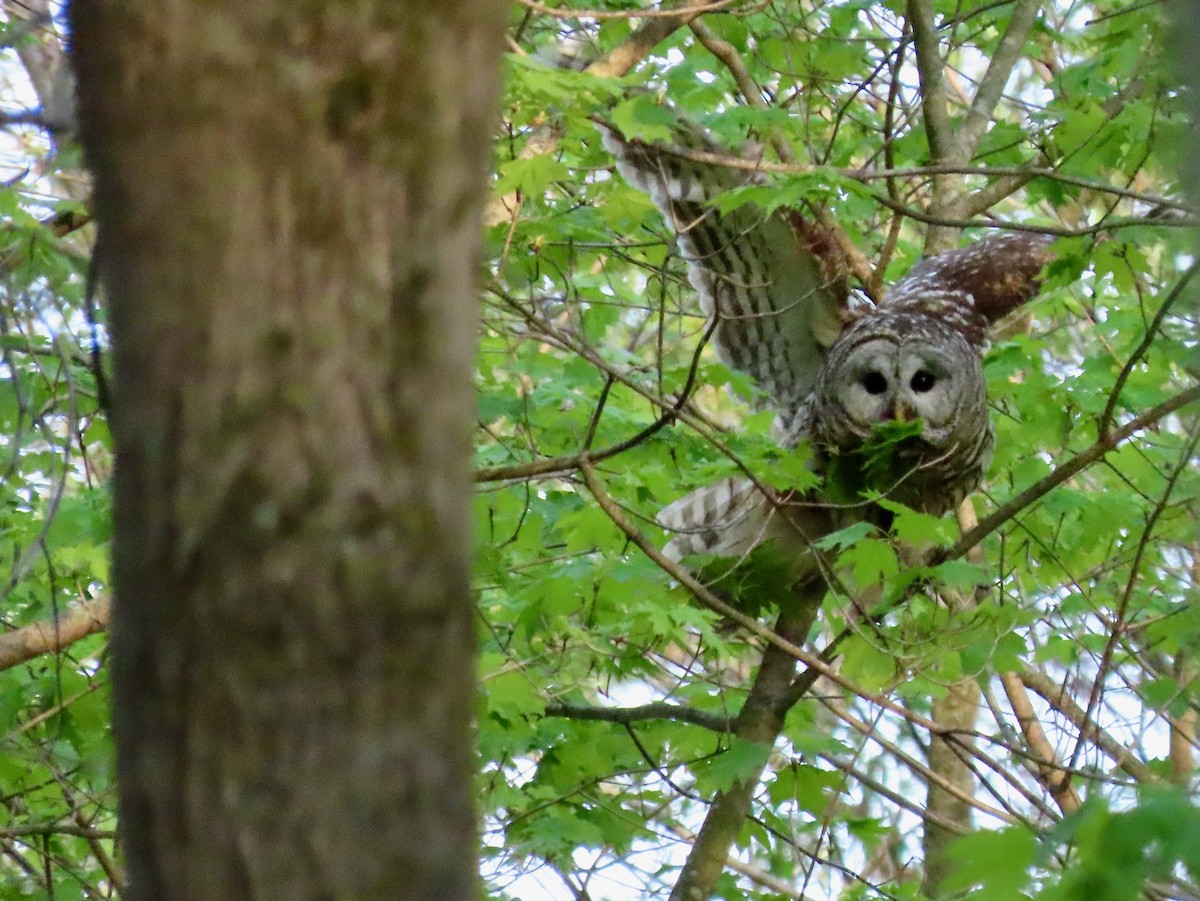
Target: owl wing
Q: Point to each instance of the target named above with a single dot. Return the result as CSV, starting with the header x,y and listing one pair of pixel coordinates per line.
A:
x,y
975,286
770,280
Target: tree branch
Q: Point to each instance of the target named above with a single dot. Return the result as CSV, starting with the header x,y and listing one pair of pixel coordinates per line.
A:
x,y
936,119
760,720
1064,473
1053,694
637,46
953,221
659,710
727,54
868,731
762,714
53,635
623,14
957,712
993,192
1049,770
657,27
991,86
1120,619
856,261
1024,173
930,67
754,874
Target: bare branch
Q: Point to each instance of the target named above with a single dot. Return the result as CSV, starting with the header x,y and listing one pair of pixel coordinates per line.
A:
x,y
1050,772
55,634
991,86
659,710
612,14
1057,698
55,829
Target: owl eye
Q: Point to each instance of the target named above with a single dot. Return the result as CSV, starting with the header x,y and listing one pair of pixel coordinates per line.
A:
x,y
874,382
922,381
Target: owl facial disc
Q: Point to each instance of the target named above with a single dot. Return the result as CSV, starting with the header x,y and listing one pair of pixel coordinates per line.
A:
x,y
894,369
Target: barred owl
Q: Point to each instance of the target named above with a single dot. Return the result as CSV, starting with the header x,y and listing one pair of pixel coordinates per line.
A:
x,y
776,286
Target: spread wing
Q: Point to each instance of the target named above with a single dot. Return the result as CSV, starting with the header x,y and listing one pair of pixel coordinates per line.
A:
x,y
770,280
975,286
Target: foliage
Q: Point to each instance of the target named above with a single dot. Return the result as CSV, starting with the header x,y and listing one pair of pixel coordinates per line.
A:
x,y
1086,585
607,688
1110,855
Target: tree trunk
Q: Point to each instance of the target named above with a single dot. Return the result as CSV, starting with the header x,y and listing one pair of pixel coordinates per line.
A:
x,y
957,714
289,199
760,720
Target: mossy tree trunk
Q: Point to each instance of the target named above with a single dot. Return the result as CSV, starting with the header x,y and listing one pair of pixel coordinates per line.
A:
x,y
289,199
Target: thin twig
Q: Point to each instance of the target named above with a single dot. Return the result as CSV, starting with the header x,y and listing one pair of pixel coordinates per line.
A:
x,y
570,462
613,14
1114,396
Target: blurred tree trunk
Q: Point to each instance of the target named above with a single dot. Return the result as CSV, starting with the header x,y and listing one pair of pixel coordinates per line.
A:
x,y
289,199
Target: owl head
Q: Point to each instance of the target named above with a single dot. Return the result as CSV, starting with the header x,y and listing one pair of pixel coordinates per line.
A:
x,y
901,367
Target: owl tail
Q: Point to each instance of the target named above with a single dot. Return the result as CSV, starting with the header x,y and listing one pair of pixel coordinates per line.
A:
x,y
733,517
728,519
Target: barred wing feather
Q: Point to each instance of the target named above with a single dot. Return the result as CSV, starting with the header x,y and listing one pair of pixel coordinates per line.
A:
x,y
770,280
726,519
732,517
972,287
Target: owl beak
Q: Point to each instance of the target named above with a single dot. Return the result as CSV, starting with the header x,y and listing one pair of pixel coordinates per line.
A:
x,y
901,412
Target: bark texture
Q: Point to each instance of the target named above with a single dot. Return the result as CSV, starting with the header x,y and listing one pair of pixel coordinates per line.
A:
x,y
956,714
289,198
